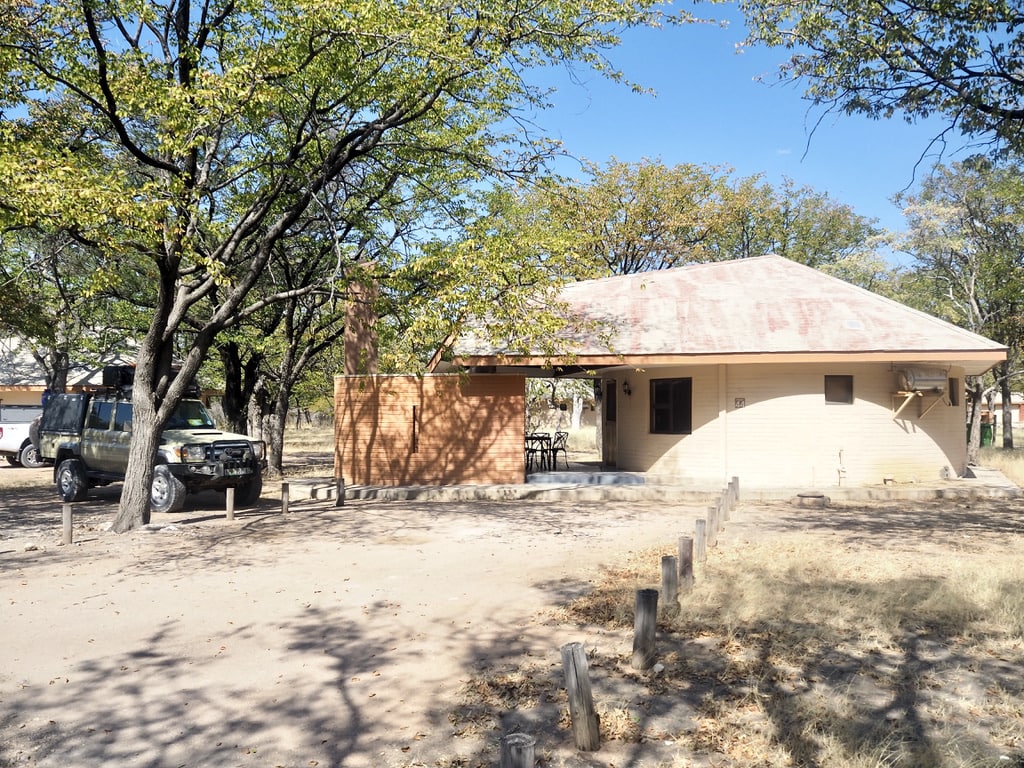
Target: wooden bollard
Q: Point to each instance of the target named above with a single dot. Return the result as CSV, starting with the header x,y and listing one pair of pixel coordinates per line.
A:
x,y
585,727
726,503
284,498
229,502
339,496
735,490
712,527
644,625
517,750
685,563
669,583
700,540
65,515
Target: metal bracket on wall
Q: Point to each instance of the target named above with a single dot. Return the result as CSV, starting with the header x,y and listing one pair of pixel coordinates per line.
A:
x,y
909,397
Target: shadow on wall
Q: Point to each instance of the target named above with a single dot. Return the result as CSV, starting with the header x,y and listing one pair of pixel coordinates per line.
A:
x,y
429,430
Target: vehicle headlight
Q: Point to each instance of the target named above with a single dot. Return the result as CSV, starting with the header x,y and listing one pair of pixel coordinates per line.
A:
x,y
259,449
193,453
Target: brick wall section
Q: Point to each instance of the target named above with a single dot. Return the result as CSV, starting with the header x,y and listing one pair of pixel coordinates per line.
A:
x,y
430,430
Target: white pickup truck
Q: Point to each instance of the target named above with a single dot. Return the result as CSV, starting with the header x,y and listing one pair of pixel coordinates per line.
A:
x,y
15,443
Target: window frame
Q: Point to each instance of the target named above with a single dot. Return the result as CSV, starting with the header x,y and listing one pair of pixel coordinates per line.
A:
x,y
843,382
678,408
97,409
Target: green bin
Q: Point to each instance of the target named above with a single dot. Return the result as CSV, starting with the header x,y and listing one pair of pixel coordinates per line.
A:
x,y
987,434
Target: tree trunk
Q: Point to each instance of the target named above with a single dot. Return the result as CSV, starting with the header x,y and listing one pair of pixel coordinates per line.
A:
x,y
133,510
239,382
1007,396
156,393
974,435
273,433
577,411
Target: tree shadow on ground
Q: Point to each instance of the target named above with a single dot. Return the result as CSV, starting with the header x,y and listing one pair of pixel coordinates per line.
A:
x,y
150,708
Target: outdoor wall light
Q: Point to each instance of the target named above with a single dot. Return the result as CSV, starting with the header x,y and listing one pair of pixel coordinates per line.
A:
x,y
625,388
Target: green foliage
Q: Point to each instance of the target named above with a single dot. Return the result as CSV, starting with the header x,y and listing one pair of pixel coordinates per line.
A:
x,y
957,60
623,218
56,304
637,217
189,145
966,233
796,222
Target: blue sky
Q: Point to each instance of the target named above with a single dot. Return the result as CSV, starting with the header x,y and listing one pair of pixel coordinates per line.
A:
x,y
710,109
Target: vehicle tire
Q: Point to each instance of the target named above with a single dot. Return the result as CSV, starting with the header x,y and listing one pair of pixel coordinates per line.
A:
x,y
248,493
167,494
29,457
72,483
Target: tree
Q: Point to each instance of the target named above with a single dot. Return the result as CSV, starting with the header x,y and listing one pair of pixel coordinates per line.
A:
x,y
623,218
638,217
55,303
796,222
185,141
966,233
960,60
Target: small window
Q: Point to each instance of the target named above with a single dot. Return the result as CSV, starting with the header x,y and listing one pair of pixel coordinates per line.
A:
x,y
99,415
123,417
954,392
839,389
671,406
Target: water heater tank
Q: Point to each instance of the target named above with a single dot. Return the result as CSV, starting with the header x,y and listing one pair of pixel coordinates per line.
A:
x,y
923,380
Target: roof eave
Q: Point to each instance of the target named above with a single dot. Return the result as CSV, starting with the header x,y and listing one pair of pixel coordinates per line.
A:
x,y
975,362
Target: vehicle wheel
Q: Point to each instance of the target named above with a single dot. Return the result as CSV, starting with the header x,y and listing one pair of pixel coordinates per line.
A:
x,y
167,494
29,457
72,484
248,493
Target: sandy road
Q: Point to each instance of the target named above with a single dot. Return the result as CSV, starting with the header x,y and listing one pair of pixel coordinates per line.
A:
x,y
331,637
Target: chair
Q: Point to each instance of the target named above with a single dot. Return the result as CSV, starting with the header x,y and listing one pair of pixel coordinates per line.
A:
x,y
559,443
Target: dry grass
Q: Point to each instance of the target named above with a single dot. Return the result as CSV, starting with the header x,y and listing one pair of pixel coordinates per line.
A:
x,y
1009,462
790,653
309,439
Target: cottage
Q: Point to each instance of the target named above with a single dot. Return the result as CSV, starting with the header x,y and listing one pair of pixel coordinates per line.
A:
x,y
759,368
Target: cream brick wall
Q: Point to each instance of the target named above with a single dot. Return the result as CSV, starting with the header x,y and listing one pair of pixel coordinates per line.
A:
x,y
785,434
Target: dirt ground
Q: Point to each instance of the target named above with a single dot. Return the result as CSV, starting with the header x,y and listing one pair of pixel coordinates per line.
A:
x,y
333,636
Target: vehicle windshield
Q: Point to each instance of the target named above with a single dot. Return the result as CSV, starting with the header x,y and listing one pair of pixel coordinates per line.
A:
x,y
190,414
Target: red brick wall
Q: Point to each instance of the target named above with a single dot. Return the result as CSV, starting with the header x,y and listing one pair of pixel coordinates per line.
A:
x,y
430,430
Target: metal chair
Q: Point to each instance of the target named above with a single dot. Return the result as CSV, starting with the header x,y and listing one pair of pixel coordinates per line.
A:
x,y
560,442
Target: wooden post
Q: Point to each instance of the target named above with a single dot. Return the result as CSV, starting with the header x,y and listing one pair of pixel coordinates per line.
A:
x,y
735,490
712,527
685,563
284,498
669,583
339,497
700,534
229,500
585,726
644,625
726,502
517,750
65,515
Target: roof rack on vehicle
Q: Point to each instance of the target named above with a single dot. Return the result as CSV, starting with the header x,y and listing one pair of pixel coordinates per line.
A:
x,y
121,378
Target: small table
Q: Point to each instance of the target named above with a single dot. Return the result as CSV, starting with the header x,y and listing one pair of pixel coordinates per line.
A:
x,y
538,447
